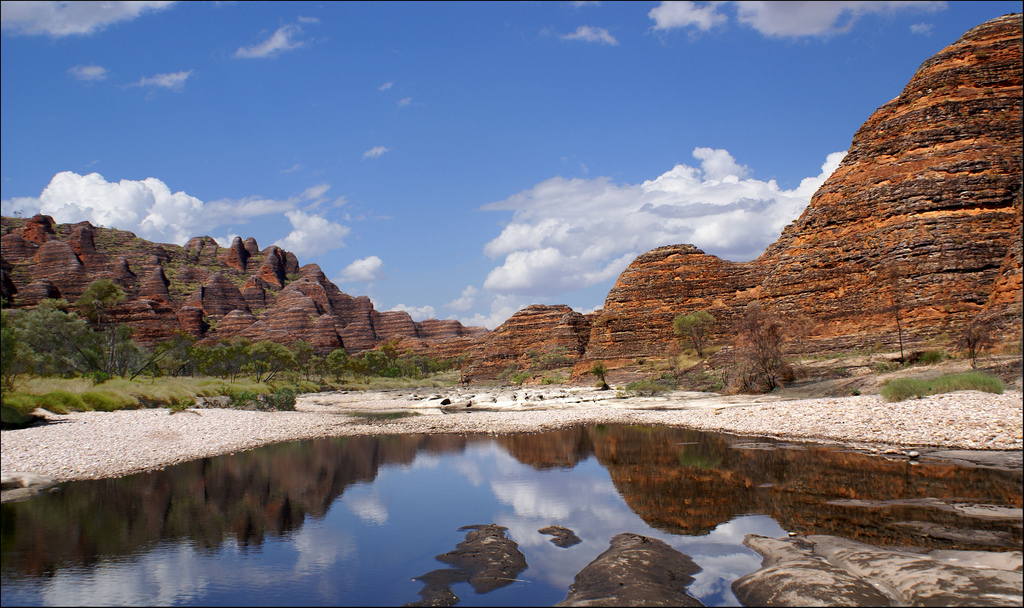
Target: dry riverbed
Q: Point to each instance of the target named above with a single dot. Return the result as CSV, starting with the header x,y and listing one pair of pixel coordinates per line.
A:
x,y
91,445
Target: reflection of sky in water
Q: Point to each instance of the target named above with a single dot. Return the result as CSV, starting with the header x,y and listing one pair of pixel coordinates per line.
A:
x,y
377,536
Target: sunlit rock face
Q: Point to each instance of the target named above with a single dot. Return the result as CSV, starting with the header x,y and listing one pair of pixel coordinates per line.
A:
x,y
924,210
538,331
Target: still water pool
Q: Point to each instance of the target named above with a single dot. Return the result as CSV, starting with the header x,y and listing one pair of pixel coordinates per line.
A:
x,y
353,521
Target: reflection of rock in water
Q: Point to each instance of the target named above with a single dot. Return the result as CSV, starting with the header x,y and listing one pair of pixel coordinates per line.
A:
x,y
815,570
563,537
487,560
635,571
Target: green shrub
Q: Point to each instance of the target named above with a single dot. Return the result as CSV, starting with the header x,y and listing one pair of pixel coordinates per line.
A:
x,y
106,401
62,402
929,357
283,399
649,388
906,388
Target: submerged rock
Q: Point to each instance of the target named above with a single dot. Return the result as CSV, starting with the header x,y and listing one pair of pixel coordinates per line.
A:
x,y
635,571
818,569
487,560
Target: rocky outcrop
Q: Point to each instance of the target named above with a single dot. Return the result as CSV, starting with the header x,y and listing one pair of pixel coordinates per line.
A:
x,y
487,560
819,570
236,256
923,213
536,332
209,292
635,571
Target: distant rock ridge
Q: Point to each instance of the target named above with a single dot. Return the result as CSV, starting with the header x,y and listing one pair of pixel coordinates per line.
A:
x,y
207,291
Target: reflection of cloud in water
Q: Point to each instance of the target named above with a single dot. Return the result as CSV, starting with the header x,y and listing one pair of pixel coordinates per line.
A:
x,y
320,547
423,460
170,575
717,574
367,505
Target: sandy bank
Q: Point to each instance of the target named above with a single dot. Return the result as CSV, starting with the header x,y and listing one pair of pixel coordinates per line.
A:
x,y
90,445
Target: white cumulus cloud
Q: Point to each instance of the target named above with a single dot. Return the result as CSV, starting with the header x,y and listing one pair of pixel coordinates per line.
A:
x,y
312,235
284,39
418,313
364,270
150,209
669,15
587,33
69,18
780,19
465,301
571,234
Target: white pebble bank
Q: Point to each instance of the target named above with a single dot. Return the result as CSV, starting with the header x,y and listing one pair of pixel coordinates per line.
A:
x,y
90,445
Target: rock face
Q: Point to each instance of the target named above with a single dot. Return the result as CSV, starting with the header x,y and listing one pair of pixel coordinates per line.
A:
x,y
533,333
209,292
924,212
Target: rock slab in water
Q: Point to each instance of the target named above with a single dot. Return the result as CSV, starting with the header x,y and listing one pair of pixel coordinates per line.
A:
x,y
487,560
828,570
18,486
635,571
563,537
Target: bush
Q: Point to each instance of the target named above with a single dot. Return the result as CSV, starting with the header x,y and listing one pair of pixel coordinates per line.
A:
x,y
105,401
61,402
283,399
649,388
906,388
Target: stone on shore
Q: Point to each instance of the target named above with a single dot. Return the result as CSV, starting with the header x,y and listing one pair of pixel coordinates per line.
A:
x,y
820,569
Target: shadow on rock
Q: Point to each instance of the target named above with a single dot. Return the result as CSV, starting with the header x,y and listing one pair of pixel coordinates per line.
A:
x,y
487,560
820,570
635,571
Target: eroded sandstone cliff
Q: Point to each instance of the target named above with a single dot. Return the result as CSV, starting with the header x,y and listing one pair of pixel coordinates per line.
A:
x,y
205,290
924,213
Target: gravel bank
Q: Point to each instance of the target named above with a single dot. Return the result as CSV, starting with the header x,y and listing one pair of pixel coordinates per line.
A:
x,y
91,445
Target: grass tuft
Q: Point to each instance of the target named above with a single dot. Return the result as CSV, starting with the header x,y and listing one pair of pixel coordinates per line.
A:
x,y
901,389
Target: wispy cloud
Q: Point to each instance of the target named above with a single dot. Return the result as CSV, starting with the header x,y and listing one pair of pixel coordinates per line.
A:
x,y
174,81
89,73
780,19
387,85
375,151
404,101
923,29
284,39
69,18
587,33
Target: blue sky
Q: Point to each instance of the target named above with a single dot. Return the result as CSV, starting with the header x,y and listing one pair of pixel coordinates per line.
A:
x,y
456,160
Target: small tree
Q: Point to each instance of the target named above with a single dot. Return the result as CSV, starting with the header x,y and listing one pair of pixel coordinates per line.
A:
x,y
894,275
267,359
303,352
337,362
694,328
762,337
98,300
976,338
599,370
